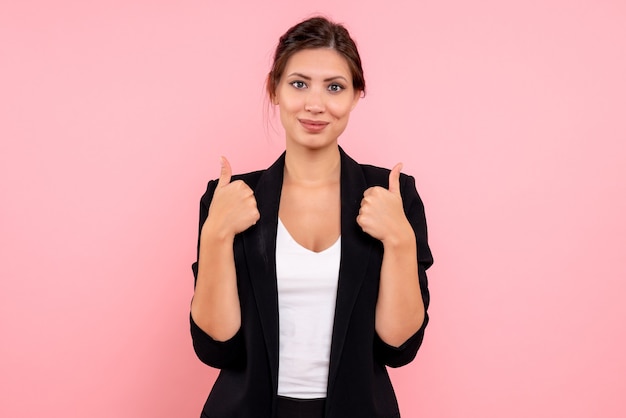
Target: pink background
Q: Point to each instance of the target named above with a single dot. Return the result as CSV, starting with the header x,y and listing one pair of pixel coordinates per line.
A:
x,y
511,115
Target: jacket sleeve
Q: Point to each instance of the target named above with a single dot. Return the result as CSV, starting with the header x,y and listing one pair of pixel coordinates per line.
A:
x,y
218,354
414,210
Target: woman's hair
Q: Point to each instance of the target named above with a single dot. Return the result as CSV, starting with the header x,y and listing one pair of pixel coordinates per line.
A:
x,y
316,32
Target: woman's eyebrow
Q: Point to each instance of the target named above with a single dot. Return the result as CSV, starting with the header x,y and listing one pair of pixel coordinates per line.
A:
x,y
306,77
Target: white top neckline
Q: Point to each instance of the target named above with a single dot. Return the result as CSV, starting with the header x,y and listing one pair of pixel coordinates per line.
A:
x,y
302,247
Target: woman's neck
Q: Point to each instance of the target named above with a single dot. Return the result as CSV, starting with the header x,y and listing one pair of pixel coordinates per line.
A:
x,y
312,167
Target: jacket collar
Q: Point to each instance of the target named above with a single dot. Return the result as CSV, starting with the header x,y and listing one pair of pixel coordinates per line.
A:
x,y
260,251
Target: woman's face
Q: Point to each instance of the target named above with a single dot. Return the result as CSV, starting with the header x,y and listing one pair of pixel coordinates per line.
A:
x,y
315,97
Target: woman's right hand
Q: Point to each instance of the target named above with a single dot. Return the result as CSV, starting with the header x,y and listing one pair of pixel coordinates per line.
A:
x,y
233,208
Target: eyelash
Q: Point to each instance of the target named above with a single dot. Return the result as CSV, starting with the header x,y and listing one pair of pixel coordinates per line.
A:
x,y
339,87
296,83
333,88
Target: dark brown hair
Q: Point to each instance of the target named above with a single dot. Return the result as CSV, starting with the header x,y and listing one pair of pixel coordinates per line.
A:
x,y
316,32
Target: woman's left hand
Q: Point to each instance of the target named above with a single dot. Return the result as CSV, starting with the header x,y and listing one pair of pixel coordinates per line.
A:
x,y
382,214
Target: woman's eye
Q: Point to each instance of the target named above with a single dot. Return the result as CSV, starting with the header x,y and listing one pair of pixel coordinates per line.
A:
x,y
298,84
335,88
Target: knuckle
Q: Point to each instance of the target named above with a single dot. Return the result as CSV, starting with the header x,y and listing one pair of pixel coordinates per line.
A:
x,y
239,184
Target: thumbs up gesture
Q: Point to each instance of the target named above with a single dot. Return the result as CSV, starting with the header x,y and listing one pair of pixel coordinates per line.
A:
x,y
233,208
382,214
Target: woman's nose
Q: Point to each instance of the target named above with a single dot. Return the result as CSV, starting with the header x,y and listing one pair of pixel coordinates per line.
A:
x,y
314,102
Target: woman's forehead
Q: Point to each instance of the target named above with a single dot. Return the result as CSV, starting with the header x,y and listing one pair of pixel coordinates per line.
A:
x,y
318,63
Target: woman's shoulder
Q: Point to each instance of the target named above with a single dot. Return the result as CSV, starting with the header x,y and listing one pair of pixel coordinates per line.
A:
x,y
379,176
374,171
250,178
374,175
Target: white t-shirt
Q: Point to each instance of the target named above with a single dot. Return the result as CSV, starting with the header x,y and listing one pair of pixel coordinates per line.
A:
x,y
307,292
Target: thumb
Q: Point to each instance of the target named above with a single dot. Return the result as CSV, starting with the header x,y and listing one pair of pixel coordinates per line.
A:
x,y
394,179
225,174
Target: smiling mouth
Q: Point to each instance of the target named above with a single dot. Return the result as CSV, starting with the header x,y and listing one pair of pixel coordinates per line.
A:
x,y
313,125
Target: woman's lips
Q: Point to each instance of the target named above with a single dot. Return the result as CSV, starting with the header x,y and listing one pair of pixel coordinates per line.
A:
x,y
313,126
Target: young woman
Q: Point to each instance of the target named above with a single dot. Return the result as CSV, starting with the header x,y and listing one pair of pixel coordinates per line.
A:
x,y
310,277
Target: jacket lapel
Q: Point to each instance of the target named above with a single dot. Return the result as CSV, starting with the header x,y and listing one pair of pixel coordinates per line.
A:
x,y
354,251
260,251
